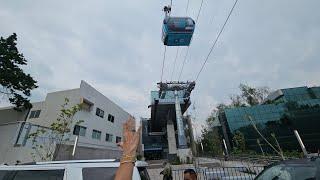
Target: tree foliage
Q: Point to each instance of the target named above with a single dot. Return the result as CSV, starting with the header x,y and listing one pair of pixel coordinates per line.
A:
x,y
249,96
46,142
14,82
239,141
210,138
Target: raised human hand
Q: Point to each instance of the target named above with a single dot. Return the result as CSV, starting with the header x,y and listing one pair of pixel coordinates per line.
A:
x,y
131,138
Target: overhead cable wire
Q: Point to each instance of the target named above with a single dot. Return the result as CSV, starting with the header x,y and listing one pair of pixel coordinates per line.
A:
x,y
165,49
187,7
183,62
163,61
187,52
174,64
216,40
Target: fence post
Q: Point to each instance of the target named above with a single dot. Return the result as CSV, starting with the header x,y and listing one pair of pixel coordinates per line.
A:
x,y
258,141
75,146
226,149
296,133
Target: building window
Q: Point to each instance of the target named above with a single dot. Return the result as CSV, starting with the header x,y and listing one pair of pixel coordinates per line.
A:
x,y
96,134
34,114
109,137
85,104
111,118
118,139
100,112
79,130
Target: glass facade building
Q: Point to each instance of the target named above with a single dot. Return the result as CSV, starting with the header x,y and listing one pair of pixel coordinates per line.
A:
x,y
155,146
167,96
283,111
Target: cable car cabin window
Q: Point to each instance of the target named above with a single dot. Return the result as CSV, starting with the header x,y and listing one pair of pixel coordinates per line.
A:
x,y
177,31
175,24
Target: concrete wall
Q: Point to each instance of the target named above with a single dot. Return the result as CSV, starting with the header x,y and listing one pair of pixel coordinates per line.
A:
x,y
8,152
51,106
50,109
92,121
82,153
8,115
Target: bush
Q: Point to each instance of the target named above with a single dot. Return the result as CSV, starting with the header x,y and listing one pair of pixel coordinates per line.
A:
x,y
293,154
176,161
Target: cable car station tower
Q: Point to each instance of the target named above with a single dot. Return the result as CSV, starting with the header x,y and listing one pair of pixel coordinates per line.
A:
x,y
168,134
167,108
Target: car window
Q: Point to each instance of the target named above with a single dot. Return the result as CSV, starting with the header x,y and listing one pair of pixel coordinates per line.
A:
x,y
99,173
32,175
282,172
143,173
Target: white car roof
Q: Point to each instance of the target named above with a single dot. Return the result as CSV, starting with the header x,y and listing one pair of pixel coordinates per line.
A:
x,y
78,161
71,163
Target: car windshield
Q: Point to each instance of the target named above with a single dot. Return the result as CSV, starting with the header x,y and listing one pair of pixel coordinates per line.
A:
x,y
285,172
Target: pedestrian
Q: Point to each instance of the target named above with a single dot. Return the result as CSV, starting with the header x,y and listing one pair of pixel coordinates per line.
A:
x,y
167,171
189,174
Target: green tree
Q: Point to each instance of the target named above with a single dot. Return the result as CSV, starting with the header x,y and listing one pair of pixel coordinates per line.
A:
x,y
248,96
239,141
253,96
210,138
14,82
56,135
237,101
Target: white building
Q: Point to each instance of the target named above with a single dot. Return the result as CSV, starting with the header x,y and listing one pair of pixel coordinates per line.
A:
x,y
100,130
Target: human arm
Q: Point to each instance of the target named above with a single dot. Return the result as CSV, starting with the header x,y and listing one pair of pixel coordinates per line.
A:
x,y
129,146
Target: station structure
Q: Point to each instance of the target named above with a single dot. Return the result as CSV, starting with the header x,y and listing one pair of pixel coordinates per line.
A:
x,y
167,134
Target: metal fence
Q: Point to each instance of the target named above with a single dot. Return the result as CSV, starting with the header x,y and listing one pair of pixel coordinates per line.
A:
x,y
250,158
222,173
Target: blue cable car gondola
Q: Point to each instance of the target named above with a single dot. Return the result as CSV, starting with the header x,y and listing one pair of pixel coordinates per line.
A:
x,y
177,31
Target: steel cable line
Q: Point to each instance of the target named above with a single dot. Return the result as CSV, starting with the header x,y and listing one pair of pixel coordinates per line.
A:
x,y
187,7
187,52
164,59
165,50
215,42
174,64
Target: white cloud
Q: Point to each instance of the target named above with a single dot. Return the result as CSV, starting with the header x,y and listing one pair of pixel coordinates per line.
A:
x,y
116,47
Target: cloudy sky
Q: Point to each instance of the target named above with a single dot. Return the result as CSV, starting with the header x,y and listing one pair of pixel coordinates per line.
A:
x,y
115,46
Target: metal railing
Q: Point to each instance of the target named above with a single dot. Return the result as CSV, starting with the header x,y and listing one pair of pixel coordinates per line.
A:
x,y
219,173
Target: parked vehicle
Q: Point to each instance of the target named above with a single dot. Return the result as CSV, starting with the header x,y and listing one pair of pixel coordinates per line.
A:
x,y
103,169
304,169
